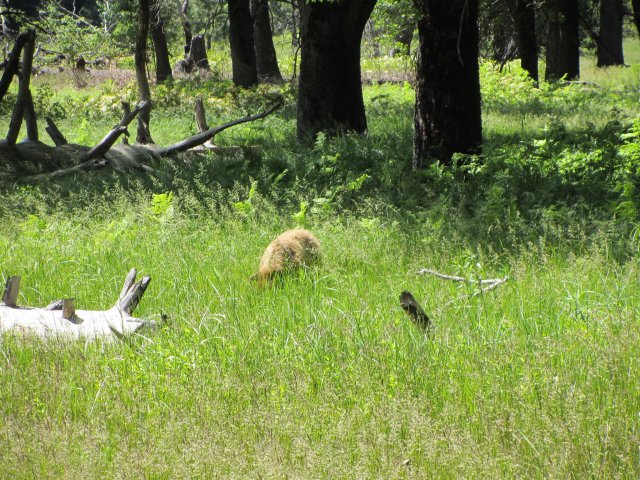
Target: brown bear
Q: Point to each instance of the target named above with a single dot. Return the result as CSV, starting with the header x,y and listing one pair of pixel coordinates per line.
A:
x,y
288,251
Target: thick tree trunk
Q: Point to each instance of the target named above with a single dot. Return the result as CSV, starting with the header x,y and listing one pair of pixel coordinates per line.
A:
x,y
609,50
525,18
266,60
198,53
143,136
447,111
635,4
563,40
330,86
243,52
163,65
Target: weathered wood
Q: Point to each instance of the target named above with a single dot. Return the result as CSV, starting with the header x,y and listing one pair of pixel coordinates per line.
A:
x,y
61,319
11,289
24,93
30,119
68,309
414,310
107,142
202,137
54,133
12,65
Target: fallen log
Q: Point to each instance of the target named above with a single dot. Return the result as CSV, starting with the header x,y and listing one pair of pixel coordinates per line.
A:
x,y
34,160
61,319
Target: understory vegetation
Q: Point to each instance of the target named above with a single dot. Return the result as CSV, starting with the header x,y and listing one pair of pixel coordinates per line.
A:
x,y
322,375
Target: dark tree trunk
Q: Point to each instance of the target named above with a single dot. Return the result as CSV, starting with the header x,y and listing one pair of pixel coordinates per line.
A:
x,y
163,66
330,86
266,61
636,13
525,18
505,45
447,110
609,50
198,53
243,52
403,41
143,135
186,26
563,40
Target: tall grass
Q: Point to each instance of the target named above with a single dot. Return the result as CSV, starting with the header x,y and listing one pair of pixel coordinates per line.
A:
x,y
322,375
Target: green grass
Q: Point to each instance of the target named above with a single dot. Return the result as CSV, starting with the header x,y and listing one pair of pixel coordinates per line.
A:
x,y
322,376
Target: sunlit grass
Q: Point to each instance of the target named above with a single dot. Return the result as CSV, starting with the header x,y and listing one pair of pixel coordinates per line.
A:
x,y
321,375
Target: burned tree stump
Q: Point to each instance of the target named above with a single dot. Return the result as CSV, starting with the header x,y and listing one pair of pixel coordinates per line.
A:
x,y
414,310
61,319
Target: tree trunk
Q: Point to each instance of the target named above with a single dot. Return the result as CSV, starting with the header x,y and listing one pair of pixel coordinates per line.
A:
x,y
525,18
243,52
143,136
163,66
198,53
330,87
609,50
635,4
447,111
183,7
266,60
563,41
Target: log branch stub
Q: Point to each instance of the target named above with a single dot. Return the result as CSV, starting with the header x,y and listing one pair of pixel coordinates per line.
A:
x,y
128,283
30,119
110,138
11,289
69,310
414,310
55,134
132,297
201,119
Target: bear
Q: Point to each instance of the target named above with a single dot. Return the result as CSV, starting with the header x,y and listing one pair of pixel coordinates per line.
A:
x,y
290,250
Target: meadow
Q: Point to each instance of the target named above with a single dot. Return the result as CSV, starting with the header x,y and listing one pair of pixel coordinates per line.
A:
x,y
322,375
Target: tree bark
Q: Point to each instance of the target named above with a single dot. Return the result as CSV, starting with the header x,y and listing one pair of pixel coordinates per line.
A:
x,y
266,60
163,65
330,86
183,7
563,40
143,136
609,49
447,111
198,53
525,18
635,4
243,53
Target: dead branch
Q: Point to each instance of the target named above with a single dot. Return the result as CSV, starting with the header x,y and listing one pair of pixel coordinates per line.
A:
x,y
61,319
55,134
12,65
24,93
427,271
201,138
105,144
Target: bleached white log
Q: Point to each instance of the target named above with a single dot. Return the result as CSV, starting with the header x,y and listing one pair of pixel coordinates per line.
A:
x,y
61,319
